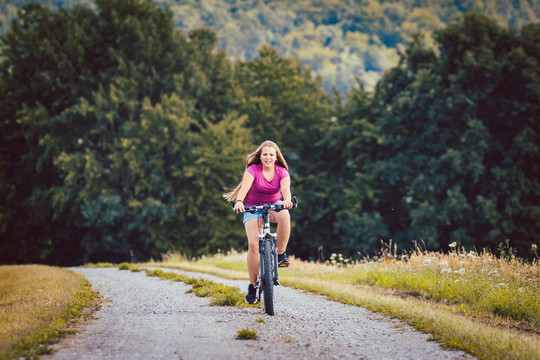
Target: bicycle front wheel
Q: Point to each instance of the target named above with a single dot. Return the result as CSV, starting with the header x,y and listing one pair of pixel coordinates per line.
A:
x,y
268,277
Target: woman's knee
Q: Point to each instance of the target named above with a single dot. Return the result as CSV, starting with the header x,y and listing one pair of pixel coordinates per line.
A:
x,y
253,245
283,217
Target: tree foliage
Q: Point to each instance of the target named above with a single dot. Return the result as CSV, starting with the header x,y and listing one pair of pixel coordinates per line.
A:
x,y
103,138
119,134
459,131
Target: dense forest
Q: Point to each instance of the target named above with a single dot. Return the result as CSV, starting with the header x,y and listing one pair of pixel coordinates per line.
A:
x,y
120,133
341,40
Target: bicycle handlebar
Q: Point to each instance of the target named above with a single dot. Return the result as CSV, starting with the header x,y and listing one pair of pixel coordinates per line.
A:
x,y
275,207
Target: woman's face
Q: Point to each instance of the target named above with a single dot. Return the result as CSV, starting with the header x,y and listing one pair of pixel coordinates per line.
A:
x,y
268,157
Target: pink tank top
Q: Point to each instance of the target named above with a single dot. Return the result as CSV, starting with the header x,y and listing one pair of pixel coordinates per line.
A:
x,y
263,191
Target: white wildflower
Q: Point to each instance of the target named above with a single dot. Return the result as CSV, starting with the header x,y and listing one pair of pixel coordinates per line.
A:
x,y
494,272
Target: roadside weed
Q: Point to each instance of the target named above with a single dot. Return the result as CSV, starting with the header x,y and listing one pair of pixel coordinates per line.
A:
x,y
246,334
128,266
219,294
99,265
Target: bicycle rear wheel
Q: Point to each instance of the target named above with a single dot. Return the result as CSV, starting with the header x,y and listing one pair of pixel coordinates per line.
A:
x,y
268,278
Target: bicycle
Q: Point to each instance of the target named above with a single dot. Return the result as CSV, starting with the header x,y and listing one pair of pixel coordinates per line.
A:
x,y
268,277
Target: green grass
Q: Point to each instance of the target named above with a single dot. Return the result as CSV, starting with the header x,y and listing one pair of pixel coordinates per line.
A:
x,y
37,304
219,294
476,302
100,265
246,334
479,292
128,266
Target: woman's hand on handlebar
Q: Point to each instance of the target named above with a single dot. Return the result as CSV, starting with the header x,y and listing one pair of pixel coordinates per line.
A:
x,y
238,206
287,204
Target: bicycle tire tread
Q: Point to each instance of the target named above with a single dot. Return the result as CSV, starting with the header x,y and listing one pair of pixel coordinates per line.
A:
x,y
268,279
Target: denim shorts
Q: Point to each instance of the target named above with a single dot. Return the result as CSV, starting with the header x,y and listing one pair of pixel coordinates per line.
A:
x,y
251,216
259,213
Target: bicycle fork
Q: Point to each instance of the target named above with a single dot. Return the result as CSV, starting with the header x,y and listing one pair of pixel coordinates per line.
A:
x,y
272,241
274,253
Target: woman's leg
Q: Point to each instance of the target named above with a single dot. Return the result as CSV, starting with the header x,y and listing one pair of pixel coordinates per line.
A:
x,y
253,259
283,220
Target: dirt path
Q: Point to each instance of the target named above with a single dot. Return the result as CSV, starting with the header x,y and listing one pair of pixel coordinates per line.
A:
x,y
148,318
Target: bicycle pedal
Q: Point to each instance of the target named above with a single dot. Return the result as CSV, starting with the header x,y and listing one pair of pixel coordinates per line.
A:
x,y
276,282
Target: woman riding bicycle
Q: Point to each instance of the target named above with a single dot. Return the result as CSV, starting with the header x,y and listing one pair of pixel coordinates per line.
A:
x,y
266,180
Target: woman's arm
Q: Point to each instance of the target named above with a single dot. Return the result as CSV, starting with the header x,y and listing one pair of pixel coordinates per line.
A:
x,y
285,185
247,181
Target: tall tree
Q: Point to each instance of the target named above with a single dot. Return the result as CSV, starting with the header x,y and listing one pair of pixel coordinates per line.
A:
x,y
78,86
41,76
218,164
460,127
349,150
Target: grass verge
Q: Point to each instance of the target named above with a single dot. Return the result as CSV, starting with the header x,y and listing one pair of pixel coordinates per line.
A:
x,y
37,303
486,306
219,294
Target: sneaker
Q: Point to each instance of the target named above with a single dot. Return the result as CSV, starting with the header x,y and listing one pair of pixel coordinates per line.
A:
x,y
283,260
251,295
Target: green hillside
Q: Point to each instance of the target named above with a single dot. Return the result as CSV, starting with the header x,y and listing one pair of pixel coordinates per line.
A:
x,y
339,39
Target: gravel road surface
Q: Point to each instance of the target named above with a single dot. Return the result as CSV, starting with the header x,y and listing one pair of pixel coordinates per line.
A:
x,y
147,318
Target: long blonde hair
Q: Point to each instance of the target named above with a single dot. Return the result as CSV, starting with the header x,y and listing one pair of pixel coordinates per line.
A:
x,y
255,158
